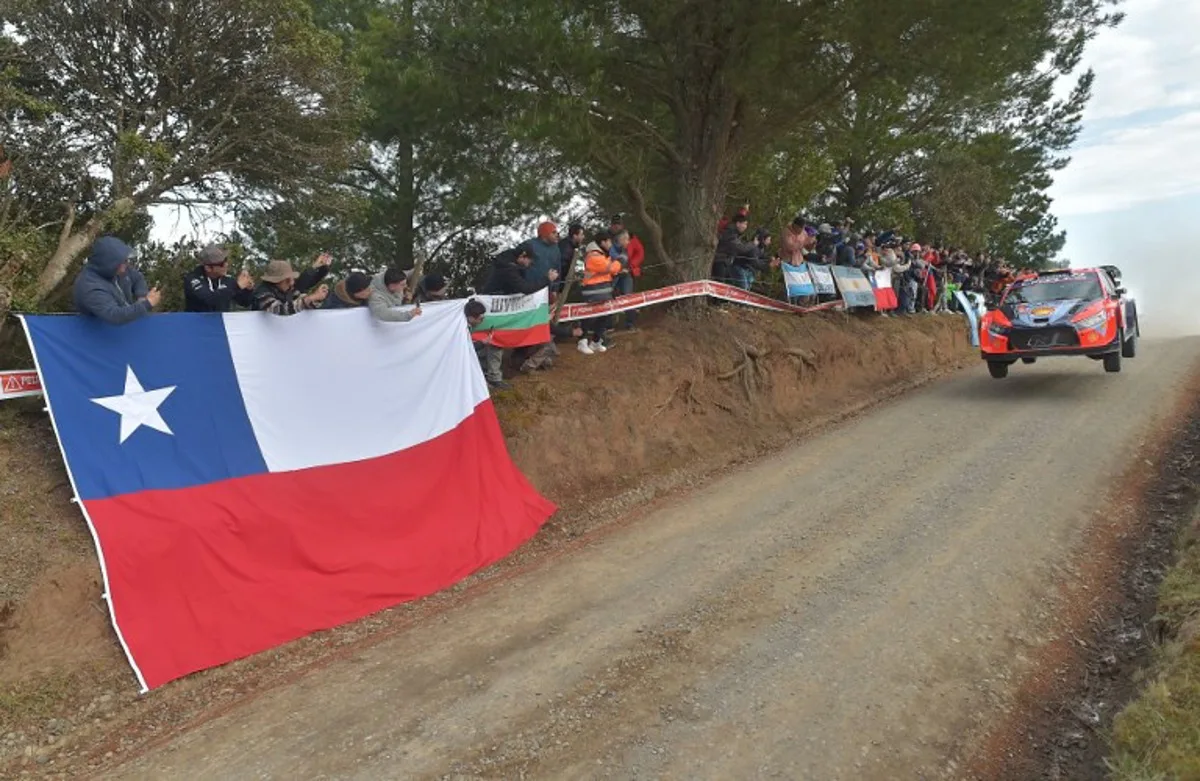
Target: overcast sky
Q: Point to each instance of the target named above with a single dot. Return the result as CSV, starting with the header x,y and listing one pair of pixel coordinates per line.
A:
x,y
1132,190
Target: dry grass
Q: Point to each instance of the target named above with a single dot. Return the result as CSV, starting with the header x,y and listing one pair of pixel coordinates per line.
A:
x,y
1157,737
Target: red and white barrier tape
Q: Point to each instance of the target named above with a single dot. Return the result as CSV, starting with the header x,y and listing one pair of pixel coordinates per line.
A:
x,y
704,287
14,385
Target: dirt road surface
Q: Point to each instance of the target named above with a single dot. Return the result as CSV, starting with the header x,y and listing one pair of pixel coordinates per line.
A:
x,y
854,607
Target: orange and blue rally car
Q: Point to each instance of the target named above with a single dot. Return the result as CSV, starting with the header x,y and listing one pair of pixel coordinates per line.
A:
x,y
1062,312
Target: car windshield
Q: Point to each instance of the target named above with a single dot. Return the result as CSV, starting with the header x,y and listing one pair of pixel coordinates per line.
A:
x,y
1038,291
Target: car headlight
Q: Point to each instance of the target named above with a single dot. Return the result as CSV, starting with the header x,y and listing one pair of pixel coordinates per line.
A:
x,y
998,330
1096,322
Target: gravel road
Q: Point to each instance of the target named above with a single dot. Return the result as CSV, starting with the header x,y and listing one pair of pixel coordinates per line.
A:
x,y
853,607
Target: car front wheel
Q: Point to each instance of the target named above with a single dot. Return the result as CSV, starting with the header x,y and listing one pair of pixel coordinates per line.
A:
x,y
998,369
1129,347
1112,363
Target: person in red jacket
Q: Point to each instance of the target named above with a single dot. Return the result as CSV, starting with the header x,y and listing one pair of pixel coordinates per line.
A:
x,y
630,253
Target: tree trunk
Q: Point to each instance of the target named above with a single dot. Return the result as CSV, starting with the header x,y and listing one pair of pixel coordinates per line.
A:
x,y
406,203
406,196
72,244
699,198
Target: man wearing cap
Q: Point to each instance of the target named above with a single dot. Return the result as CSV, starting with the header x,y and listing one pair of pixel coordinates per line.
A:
x,y
511,273
209,288
283,291
351,292
546,255
111,290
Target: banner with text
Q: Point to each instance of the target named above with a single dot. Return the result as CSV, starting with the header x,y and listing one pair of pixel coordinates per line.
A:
x,y
14,385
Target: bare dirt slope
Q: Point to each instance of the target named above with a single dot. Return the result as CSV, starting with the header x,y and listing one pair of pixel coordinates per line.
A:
x,y
853,607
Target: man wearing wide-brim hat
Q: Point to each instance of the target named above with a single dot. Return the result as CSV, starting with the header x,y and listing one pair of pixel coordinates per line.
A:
x,y
284,291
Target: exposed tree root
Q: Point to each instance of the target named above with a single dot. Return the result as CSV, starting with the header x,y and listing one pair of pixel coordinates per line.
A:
x,y
753,372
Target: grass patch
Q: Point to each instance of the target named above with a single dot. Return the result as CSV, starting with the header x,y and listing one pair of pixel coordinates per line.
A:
x,y
33,701
1157,737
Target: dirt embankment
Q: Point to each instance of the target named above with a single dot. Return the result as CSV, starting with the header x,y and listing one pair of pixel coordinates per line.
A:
x,y
666,408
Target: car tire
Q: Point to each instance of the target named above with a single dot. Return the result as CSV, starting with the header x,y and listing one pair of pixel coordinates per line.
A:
x,y
1129,347
1028,360
998,369
1112,363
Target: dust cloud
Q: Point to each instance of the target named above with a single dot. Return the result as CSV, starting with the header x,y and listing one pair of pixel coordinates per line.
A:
x,y
1165,281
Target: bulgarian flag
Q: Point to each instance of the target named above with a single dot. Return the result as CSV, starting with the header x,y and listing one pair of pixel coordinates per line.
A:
x,y
515,321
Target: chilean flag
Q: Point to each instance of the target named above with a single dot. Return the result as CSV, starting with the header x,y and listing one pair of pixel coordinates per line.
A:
x,y
250,479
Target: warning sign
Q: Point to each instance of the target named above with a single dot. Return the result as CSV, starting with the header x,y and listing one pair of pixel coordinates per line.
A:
x,y
14,385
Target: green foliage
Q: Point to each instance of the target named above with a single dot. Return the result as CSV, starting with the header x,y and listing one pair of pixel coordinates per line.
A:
x,y
391,131
437,161
1157,736
112,106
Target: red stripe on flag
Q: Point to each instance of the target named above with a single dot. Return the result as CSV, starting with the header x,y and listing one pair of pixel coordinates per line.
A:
x,y
885,299
517,337
202,576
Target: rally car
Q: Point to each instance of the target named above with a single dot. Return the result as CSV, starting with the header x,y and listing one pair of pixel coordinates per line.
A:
x,y
1065,312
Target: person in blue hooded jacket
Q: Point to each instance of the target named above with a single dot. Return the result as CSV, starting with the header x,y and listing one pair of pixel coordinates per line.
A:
x,y
108,288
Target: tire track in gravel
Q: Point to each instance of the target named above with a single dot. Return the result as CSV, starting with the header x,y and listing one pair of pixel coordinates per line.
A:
x,y
848,608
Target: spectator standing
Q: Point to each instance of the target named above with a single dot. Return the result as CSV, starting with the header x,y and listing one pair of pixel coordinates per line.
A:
x,y
567,249
623,281
283,291
209,288
490,356
733,254
432,287
793,243
742,212
387,294
599,269
351,293
109,289
510,276
546,255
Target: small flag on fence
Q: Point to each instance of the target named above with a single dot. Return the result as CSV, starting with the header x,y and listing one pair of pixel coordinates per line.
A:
x,y
822,279
855,289
885,296
799,283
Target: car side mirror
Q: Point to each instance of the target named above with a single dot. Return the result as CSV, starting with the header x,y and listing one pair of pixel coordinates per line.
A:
x,y
1121,291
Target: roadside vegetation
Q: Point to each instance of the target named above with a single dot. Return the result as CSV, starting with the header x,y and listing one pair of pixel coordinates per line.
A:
x,y
1158,735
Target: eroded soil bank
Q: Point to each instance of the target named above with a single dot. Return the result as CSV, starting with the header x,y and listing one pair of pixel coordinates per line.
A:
x,y
668,408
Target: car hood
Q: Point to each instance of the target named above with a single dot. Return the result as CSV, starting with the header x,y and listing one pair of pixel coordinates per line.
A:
x,y
1050,313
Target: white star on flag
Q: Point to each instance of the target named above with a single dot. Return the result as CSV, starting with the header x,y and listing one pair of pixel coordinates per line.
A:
x,y
137,407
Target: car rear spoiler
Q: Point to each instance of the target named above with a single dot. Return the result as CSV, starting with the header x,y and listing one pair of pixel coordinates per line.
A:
x,y
1114,273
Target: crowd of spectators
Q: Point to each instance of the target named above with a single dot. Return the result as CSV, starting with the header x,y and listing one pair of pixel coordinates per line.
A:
x,y
601,266
922,276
